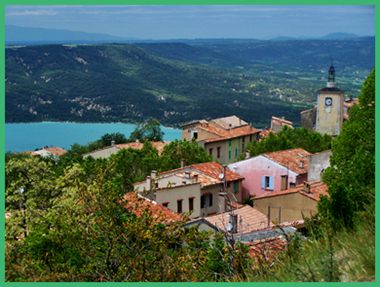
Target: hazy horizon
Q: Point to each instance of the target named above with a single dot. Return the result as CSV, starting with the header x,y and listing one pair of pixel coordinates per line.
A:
x,y
199,22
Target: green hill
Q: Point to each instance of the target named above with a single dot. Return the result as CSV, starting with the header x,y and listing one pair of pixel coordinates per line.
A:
x,y
174,82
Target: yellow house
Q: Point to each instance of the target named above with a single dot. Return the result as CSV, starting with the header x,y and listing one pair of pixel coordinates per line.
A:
x,y
199,189
293,204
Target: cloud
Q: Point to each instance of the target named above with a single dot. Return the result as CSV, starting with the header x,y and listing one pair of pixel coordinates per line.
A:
x,y
32,13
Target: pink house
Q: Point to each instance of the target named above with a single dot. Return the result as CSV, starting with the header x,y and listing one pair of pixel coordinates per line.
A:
x,y
272,171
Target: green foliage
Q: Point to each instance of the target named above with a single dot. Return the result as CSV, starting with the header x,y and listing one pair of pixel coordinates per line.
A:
x,y
148,131
351,177
188,151
76,227
346,255
289,138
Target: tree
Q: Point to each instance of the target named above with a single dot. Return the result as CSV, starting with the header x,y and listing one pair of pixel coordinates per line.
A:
x,y
149,131
289,138
351,177
188,151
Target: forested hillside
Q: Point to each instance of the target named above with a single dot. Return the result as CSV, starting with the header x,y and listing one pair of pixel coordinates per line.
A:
x,y
178,82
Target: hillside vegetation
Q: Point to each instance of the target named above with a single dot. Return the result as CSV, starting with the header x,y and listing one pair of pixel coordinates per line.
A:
x,y
178,82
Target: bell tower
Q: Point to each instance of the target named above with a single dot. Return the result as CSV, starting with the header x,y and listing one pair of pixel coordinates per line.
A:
x,y
330,107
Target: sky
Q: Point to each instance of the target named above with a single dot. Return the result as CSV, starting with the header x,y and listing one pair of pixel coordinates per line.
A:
x,y
206,21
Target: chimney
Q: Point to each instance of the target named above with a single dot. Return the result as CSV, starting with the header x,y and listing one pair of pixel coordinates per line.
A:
x,y
187,174
195,177
149,182
153,174
306,187
302,164
112,143
182,163
233,220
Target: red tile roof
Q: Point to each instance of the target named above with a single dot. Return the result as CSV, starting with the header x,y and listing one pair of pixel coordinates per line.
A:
x,y
249,219
265,133
266,250
159,213
291,158
159,146
214,169
56,151
317,189
282,121
207,174
232,133
224,128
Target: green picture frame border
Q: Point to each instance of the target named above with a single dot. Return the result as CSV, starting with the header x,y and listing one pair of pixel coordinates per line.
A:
x,y
4,3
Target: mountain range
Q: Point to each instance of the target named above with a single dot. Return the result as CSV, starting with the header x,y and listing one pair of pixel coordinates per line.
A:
x,y
29,35
178,82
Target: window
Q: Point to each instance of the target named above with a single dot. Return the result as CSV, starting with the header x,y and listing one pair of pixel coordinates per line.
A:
x,y
195,135
236,152
191,203
206,200
165,204
250,138
203,201
229,154
229,143
243,143
267,182
218,152
236,187
284,182
179,206
210,151
156,184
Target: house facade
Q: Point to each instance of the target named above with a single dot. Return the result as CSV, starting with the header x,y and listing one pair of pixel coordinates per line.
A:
x,y
293,204
225,139
272,171
199,189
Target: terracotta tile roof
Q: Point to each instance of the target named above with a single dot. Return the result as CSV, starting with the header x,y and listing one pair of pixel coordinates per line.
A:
x,y
282,121
265,133
317,189
159,213
207,173
159,146
291,158
229,122
224,128
249,219
55,151
213,169
234,133
266,250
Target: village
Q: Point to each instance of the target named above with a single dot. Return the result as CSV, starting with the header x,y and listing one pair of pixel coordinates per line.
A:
x,y
256,200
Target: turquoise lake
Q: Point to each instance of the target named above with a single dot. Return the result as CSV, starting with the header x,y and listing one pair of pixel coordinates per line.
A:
x,y
30,136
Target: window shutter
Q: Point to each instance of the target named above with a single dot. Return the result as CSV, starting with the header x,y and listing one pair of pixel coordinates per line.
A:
x,y
263,182
271,183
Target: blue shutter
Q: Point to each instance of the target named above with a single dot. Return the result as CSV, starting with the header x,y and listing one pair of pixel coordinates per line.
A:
x,y
263,182
271,183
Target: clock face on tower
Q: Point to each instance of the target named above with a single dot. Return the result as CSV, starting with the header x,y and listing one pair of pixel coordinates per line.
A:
x,y
328,102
